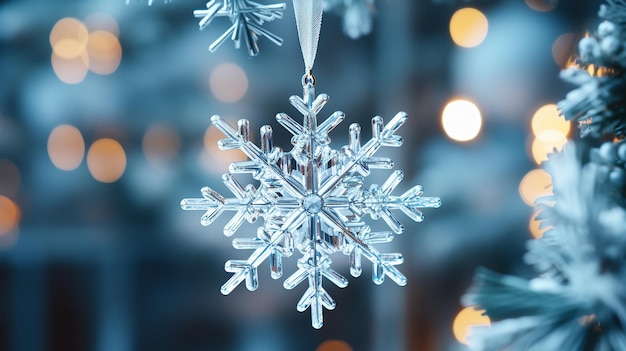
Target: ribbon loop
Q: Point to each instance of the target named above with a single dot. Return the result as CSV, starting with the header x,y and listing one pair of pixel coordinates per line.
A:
x,y
309,23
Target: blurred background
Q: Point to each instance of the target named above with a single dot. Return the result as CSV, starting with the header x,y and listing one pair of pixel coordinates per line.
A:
x,y
104,127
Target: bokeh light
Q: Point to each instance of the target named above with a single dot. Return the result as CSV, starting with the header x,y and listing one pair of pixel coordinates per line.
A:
x,y
467,319
106,160
461,120
100,21
10,178
334,345
535,184
160,144
105,52
66,147
563,48
9,215
70,71
541,5
468,27
69,48
68,38
546,143
78,48
550,130
547,118
228,82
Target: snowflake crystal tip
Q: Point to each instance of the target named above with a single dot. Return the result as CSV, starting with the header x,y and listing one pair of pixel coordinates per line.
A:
x,y
247,17
313,200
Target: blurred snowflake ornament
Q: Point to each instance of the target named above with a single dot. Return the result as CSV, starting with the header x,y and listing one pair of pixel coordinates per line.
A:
x,y
357,15
247,18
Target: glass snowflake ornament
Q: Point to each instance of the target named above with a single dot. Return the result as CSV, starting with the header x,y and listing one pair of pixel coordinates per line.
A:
x,y
313,201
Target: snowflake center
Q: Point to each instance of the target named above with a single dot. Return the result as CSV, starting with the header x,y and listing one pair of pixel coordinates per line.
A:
x,y
312,203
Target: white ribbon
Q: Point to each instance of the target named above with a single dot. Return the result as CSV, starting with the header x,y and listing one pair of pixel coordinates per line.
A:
x,y
309,22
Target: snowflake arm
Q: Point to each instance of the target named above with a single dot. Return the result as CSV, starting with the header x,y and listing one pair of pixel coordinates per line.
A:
x,y
315,269
358,155
214,9
262,161
379,202
247,204
383,264
247,18
264,248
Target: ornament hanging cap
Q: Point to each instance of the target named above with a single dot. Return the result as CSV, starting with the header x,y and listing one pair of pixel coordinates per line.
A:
x,y
309,23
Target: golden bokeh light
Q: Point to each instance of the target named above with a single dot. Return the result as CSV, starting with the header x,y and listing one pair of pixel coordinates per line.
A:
x,y
10,178
546,143
550,130
69,48
468,27
535,184
541,5
105,52
467,319
547,118
100,21
68,38
9,215
106,160
77,49
160,144
461,120
70,71
66,147
228,82
563,48
334,345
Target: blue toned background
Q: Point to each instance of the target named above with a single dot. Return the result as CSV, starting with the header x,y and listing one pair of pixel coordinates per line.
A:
x,y
102,137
